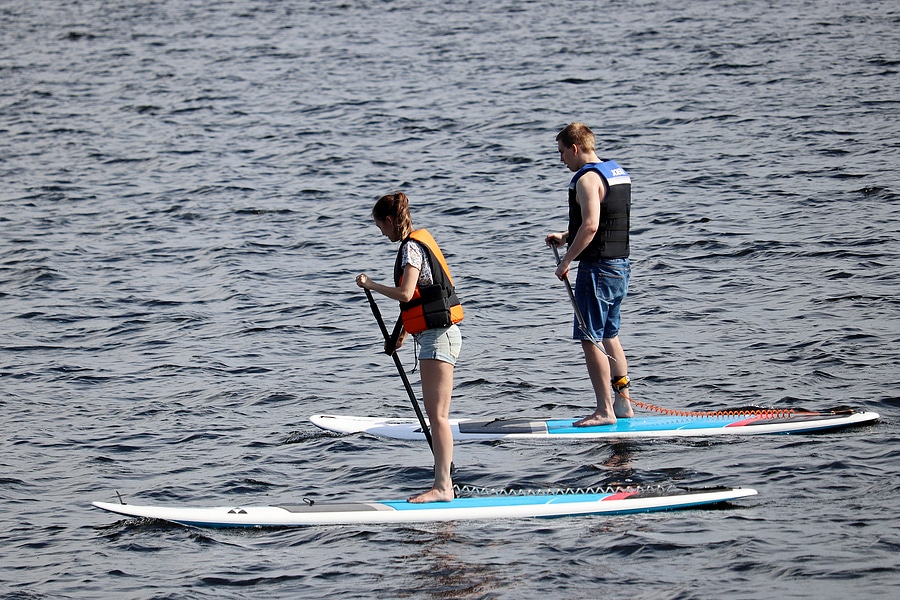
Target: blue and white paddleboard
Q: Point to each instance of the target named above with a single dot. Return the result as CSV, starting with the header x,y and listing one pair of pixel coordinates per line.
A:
x,y
400,511
635,427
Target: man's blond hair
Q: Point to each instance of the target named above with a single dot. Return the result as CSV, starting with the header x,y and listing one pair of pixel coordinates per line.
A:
x,y
577,134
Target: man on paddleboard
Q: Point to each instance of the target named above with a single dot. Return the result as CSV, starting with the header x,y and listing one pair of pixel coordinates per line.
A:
x,y
597,237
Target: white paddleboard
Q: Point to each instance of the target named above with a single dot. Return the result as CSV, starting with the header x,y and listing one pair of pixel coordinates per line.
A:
x,y
401,511
635,427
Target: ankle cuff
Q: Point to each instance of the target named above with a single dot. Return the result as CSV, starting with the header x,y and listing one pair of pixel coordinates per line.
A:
x,y
620,383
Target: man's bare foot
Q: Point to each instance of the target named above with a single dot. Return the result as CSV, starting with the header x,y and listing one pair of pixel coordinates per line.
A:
x,y
622,408
621,401
594,420
432,495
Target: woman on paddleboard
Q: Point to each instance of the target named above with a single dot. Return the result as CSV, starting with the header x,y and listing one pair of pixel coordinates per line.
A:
x,y
429,310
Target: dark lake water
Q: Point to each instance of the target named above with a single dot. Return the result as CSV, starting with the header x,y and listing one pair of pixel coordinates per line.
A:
x,y
185,199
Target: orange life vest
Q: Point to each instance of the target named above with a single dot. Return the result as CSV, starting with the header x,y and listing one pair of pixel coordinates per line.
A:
x,y
432,306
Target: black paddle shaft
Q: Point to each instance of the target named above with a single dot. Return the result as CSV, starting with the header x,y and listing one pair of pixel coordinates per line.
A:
x,y
412,396
581,324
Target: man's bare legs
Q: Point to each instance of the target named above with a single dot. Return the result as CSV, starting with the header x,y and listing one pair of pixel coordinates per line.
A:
x,y
437,392
618,368
599,370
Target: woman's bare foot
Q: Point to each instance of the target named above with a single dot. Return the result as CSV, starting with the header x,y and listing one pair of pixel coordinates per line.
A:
x,y
594,420
432,495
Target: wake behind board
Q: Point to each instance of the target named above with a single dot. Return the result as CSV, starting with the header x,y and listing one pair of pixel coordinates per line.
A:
x,y
635,427
400,511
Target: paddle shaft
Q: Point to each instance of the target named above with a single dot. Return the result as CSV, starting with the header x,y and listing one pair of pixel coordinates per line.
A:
x,y
581,324
409,390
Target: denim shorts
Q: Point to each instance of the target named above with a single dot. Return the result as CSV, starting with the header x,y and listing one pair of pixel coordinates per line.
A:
x,y
440,344
600,288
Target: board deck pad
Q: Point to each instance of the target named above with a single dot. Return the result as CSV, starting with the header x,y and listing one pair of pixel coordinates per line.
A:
x,y
635,427
498,506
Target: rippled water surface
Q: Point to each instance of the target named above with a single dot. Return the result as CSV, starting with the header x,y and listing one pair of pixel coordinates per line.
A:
x,y
185,203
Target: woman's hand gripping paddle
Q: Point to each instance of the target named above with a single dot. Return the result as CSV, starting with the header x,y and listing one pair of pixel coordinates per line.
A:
x,y
390,342
581,324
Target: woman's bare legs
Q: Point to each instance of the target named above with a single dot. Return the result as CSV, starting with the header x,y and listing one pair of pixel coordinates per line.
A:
x,y
437,390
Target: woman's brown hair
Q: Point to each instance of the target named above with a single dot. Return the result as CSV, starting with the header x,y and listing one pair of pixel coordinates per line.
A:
x,y
396,206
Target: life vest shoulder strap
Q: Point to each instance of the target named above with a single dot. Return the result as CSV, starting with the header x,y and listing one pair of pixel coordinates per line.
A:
x,y
424,237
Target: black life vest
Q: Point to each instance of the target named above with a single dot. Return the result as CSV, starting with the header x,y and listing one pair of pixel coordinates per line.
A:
x,y
611,239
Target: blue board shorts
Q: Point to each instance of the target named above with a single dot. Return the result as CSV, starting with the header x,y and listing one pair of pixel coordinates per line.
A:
x,y
440,344
600,288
